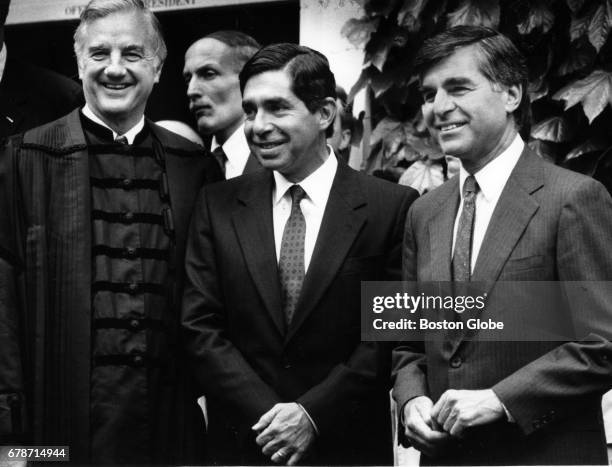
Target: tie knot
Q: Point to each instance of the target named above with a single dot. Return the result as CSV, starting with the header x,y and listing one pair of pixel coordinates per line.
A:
x,y
469,186
121,140
297,194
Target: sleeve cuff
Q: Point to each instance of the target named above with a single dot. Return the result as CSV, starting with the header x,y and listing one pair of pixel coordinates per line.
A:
x,y
314,425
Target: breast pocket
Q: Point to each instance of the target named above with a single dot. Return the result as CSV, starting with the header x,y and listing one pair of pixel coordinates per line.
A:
x,y
526,266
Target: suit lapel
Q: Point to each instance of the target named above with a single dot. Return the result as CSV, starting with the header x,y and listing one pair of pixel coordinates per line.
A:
x,y
252,164
343,219
252,220
511,216
513,212
441,232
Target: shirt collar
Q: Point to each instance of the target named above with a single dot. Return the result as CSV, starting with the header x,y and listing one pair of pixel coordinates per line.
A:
x,y
492,177
2,60
317,185
130,134
236,148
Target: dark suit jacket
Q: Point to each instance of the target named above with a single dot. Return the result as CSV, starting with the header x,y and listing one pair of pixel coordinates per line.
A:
x,y
245,359
550,224
31,96
45,293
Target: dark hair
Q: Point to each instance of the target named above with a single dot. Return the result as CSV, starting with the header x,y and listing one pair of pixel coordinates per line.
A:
x,y
97,9
243,46
312,78
499,61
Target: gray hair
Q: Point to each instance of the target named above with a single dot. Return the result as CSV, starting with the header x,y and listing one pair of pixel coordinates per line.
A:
x,y
97,9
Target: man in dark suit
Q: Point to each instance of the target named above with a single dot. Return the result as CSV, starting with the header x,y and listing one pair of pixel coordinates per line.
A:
x,y
508,216
212,65
94,213
275,260
30,95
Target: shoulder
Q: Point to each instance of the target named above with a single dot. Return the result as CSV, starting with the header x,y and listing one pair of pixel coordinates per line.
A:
x,y
379,188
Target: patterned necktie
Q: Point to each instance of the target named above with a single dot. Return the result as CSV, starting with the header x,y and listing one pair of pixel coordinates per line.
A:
x,y
219,154
462,257
121,140
291,263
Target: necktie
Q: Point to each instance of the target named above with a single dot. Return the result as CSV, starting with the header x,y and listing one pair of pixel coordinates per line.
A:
x,y
121,140
462,256
291,263
219,154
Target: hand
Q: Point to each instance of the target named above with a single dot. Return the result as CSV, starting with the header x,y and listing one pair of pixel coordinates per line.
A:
x,y
458,410
421,429
285,432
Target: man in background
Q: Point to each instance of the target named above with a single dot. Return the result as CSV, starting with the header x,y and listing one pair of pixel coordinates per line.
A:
x,y
344,127
30,95
212,65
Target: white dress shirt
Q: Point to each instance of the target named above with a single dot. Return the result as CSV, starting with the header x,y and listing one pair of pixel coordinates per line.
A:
x,y
236,150
491,181
317,187
130,134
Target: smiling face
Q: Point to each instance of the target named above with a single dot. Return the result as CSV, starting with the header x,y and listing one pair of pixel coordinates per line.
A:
x,y
282,133
470,116
213,88
118,66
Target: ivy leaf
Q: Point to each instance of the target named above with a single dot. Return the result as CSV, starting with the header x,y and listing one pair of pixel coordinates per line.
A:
x,y
381,82
409,15
362,82
575,5
378,56
593,92
423,176
544,149
475,13
539,18
422,147
579,26
590,145
384,128
580,55
359,31
379,7
599,26
554,129
538,89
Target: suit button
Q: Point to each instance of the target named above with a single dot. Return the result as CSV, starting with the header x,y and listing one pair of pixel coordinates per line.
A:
x,y
128,216
135,324
130,252
456,362
127,183
133,287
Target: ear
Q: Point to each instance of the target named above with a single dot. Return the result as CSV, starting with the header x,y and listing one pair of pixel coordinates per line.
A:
x,y
327,113
514,94
345,139
158,69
